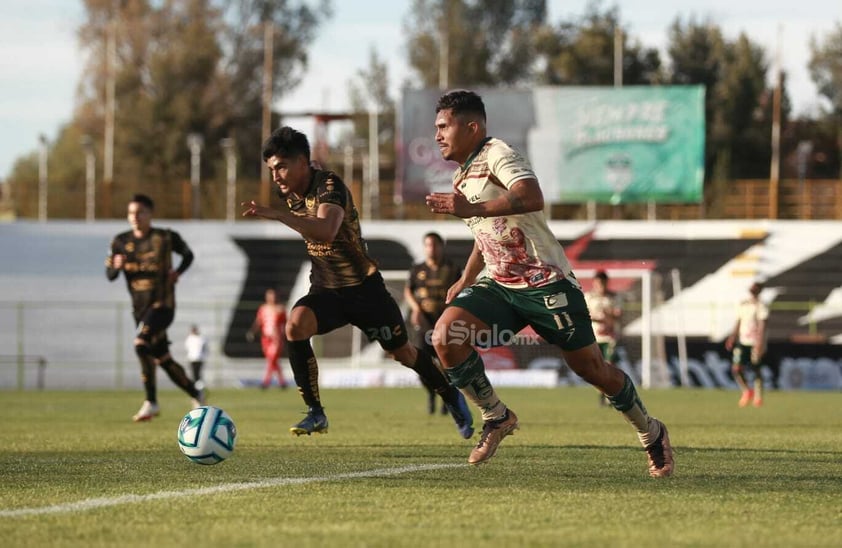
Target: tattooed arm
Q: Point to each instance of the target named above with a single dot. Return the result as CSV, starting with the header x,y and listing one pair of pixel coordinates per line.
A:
x,y
523,197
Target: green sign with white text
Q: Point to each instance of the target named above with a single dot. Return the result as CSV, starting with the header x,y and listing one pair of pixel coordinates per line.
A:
x,y
619,145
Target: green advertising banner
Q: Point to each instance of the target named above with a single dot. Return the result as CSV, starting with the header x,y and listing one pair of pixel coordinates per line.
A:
x,y
619,145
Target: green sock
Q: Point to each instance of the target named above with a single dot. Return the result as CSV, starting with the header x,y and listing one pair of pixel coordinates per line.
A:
x,y
469,377
628,403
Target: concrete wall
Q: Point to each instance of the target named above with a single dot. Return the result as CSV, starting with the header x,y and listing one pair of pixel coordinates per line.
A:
x,y
55,301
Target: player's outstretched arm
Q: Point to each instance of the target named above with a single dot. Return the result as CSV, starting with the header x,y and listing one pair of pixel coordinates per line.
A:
x,y
181,247
321,228
114,263
523,197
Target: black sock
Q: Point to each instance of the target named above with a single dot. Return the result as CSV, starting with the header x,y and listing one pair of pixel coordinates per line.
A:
x,y
433,378
179,376
305,371
147,377
197,370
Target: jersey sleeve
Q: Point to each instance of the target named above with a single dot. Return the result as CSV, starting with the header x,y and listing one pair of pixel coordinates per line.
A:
x,y
115,248
413,275
507,165
181,247
331,191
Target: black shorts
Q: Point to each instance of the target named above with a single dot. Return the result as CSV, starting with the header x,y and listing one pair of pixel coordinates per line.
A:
x,y
368,306
152,327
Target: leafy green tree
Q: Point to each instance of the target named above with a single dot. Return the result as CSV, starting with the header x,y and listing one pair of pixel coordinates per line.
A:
x,y
737,102
23,185
826,66
488,42
370,89
182,66
739,96
581,52
826,71
295,25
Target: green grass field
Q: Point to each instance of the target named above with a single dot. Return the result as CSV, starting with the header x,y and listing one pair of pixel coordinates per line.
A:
x,y
76,471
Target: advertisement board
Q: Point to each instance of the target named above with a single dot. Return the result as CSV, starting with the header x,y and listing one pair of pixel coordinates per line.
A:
x,y
610,145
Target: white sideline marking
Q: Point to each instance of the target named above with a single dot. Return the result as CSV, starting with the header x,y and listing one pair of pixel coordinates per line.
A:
x,y
90,504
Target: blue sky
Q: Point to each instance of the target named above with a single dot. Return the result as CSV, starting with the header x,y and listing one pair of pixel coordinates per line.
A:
x,y
40,62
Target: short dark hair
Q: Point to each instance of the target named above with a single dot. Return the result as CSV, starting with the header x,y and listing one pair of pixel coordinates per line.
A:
x,y
286,142
601,275
434,235
145,200
461,101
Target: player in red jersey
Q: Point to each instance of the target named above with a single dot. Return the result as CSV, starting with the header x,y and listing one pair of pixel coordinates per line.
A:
x,y
269,322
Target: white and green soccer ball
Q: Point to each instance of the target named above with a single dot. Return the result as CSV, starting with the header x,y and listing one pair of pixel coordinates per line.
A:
x,y
207,435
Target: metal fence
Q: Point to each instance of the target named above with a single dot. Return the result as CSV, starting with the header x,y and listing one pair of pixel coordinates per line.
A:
x,y
88,345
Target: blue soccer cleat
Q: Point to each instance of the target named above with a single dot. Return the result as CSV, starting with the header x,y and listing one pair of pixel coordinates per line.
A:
x,y
461,415
315,421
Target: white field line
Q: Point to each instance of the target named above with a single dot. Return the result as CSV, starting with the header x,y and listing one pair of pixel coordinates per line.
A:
x,y
90,504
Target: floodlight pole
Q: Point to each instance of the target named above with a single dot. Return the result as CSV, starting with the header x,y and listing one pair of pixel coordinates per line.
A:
x,y
373,191
42,178
774,169
90,178
195,142
229,148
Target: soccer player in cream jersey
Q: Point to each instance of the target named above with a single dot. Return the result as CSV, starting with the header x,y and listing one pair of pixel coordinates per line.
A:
x,y
747,344
529,282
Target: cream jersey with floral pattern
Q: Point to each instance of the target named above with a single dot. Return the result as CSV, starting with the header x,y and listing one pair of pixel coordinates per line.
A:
x,y
752,313
519,250
604,309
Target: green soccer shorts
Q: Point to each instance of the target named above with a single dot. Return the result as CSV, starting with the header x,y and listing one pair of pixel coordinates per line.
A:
x,y
557,312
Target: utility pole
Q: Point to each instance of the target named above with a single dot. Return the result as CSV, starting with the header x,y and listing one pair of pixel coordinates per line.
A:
x,y
774,169
618,57
373,190
229,148
110,109
90,178
195,142
268,47
444,48
42,178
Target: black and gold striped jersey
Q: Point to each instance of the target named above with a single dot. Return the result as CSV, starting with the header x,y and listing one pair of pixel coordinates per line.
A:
x,y
345,261
148,262
429,286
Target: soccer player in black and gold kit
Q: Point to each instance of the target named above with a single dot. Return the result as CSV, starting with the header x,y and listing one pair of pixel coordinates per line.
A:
x,y
144,255
345,284
426,292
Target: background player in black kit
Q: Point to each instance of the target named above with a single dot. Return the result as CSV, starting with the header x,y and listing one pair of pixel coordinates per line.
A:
x,y
426,293
345,284
144,255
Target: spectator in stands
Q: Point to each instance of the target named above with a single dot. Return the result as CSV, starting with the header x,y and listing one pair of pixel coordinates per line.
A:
x,y
606,310
529,282
346,285
747,344
196,346
269,322
426,294
144,256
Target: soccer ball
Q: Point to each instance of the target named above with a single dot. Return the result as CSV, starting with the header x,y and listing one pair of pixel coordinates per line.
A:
x,y
207,435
